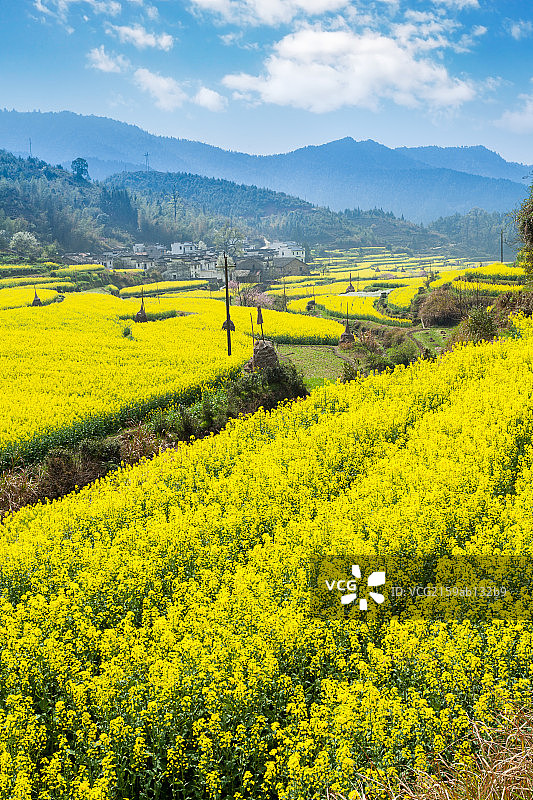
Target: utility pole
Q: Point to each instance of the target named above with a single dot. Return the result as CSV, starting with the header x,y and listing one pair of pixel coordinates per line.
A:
x,y
501,246
146,162
175,201
30,147
228,321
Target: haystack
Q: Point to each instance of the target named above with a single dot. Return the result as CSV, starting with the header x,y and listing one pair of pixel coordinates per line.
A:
x,y
264,356
140,316
347,336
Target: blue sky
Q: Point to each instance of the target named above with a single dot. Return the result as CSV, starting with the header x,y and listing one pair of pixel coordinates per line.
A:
x,y
266,76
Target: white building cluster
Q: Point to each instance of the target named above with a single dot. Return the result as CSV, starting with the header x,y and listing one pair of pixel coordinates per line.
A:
x,y
259,260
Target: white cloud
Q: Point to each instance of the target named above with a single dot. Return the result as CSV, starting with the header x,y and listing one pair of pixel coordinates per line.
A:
x,y
152,12
323,71
267,12
140,37
167,92
423,32
520,29
520,121
99,59
207,98
468,40
235,39
458,4
61,8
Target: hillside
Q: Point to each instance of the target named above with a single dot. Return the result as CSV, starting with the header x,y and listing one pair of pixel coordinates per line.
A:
x,y
275,214
67,214
473,160
419,183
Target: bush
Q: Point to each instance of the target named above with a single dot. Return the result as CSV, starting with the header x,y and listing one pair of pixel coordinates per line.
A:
x,y
440,308
404,353
102,450
392,338
480,325
350,371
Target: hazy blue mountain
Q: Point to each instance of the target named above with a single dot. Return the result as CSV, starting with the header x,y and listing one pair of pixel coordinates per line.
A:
x,y
340,175
474,160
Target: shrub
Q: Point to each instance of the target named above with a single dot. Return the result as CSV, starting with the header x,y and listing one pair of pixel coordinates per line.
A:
x,y
480,325
403,353
440,308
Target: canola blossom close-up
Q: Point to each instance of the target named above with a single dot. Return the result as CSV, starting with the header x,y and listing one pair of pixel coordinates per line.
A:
x,y
158,628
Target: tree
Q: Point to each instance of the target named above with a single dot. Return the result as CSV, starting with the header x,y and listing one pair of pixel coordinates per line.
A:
x,y
439,308
118,208
25,244
523,219
80,168
229,239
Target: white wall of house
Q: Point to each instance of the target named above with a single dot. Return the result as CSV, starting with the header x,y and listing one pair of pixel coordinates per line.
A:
x,y
289,250
182,248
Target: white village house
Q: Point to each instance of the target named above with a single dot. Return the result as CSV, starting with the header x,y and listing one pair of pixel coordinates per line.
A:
x,y
288,250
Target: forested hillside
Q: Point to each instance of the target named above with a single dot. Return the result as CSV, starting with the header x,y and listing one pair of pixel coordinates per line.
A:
x,y
70,213
274,214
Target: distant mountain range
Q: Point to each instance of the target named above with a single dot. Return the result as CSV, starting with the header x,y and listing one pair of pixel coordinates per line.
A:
x,y
420,183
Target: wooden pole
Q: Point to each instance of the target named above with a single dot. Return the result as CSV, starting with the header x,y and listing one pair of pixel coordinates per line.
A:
x,y
228,323
253,340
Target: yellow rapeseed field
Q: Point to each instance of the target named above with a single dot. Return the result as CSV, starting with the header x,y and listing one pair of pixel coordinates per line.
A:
x,y
157,628
400,299
161,288
485,287
279,326
92,377
68,370
358,308
21,296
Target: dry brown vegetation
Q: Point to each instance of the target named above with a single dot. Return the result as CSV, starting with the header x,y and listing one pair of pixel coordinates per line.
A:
x,y
501,768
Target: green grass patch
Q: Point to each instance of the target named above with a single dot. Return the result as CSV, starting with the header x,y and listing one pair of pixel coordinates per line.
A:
x,y
318,364
433,337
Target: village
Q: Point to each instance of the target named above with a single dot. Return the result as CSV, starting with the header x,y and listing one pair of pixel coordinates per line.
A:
x,y
258,261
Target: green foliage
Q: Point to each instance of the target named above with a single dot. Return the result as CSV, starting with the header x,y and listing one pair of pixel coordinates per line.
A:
x,y
80,169
118,208
523,219
49,202
480,325
476,233
403,353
